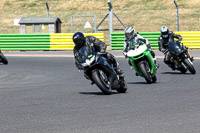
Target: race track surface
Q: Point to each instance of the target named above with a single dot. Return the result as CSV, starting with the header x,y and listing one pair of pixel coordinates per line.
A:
x,y
49,95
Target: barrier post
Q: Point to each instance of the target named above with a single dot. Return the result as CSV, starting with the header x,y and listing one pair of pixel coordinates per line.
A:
x,y
177,17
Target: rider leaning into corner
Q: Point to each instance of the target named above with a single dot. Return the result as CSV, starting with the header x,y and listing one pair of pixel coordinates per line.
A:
x,y
163,42
131,39
98,45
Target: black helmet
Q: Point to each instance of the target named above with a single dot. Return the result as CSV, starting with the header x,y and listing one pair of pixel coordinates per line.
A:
x,y
79,39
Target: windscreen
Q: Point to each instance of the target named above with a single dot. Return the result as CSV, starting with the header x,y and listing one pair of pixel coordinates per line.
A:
x,y
174,47
85,53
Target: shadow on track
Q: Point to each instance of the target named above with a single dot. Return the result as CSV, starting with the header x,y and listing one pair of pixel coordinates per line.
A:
x,y
136,82
178,73
95,93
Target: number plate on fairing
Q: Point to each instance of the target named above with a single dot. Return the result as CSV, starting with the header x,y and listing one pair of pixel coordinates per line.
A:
x,y
137,51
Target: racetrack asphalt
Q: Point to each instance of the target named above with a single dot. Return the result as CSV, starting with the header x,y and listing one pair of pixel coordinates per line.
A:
x,y
117,53
43,92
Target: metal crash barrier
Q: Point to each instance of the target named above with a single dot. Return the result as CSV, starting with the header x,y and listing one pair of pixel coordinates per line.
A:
x,y
57,41
190,39
64,41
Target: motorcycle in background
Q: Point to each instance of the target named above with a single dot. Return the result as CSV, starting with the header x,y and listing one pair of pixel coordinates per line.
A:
x,y
180,57
143,63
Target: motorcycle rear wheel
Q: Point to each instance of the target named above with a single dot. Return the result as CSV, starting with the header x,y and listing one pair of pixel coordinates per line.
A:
x,y
103,86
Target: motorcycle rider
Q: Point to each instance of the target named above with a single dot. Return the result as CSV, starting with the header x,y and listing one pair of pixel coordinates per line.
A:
x,y
163,42
98,45
131,39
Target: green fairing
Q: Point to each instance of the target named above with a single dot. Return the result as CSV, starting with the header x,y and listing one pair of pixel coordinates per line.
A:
x,y
150,60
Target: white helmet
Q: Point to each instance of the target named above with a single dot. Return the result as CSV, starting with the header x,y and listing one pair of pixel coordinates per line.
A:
x,y
129,33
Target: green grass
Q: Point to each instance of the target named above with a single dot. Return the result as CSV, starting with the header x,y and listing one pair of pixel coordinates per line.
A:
x,y
144,15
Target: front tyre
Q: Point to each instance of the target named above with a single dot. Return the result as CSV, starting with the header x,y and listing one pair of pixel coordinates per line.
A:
x,y
189,65
3,59
99,81
144,70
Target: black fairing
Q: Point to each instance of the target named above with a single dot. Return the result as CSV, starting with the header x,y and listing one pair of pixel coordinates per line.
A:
x,y
100,63
175,48
178,53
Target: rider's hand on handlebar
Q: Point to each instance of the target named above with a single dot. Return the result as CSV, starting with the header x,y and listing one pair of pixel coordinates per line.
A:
x,y
180,39
162,50
102,51
125,54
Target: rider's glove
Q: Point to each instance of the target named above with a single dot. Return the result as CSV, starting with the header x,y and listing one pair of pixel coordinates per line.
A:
x,y
149,46
102,51
78,66
162,50
109,56
125,54
180,39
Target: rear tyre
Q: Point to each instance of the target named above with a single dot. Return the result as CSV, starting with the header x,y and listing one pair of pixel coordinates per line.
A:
x,y
98,80
3,59
145,73
123,86
189,65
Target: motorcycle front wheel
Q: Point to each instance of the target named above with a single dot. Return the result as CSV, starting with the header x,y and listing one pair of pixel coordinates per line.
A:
x,y
100,80
144,70
189,65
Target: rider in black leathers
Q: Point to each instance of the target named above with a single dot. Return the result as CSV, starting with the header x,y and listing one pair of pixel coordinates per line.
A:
x,y
98,45
163,42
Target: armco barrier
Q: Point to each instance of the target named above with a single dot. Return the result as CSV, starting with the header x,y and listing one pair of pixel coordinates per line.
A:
x,y
24,42
64,41
40,41
119,37
190,39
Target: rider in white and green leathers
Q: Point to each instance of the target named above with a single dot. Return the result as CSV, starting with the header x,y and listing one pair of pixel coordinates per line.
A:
x,y
132,38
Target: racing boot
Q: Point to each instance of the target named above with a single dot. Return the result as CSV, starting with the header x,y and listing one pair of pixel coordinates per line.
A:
x,y
116,67
192,59
130,65
156,63
177,67
172,66
119,72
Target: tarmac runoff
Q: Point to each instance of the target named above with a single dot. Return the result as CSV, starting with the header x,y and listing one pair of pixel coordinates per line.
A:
x,y
116,53
68,55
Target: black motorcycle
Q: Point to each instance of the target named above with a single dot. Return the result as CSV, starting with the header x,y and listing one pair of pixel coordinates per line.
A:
x,y
3,58
180,57
101,72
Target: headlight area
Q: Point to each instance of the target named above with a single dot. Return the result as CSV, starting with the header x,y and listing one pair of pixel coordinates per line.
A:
x,y
88,62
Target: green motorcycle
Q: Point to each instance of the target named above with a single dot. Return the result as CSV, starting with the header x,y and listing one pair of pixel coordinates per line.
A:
x,y
143,63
